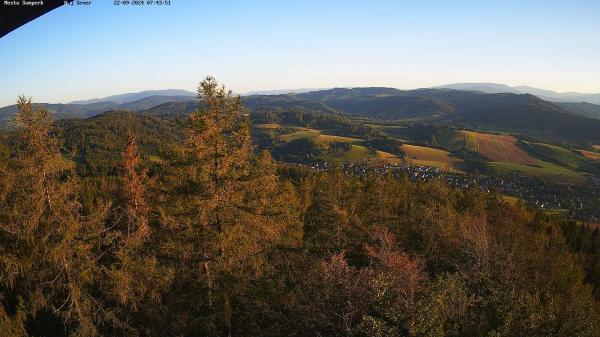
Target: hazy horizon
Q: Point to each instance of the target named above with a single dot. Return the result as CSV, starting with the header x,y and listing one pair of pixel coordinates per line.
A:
x,y
79,53
253,92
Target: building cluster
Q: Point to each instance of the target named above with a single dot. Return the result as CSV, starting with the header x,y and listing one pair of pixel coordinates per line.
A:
x,y
579,202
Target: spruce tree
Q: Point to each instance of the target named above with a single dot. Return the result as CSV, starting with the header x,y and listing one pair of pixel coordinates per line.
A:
x,y
226,206
48,250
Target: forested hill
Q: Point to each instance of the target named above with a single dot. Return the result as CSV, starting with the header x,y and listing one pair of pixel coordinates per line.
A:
x,y
514,112
522,113
76,110
95,143
581,108
519,113
136,96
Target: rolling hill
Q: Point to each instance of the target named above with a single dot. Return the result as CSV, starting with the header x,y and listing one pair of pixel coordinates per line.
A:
x,y
488,88
281,91
62,111
522,113
519,113
135,96
421,155
96,143
581,108
499,148
553,96
297,129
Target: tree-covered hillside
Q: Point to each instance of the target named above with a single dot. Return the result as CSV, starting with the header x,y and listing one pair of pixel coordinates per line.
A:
x,y
183,230
581,108
77,110
523,113
95,143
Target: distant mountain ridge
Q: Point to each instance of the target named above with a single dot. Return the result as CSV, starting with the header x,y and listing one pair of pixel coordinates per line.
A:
x,y
135,96
520,113
581,108
513,112
549,95
61,111
281,91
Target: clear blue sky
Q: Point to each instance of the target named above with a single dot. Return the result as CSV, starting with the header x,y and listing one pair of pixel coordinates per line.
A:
x,y
79,52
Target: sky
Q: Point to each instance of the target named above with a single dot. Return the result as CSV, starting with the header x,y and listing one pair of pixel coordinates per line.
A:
x,y
83,52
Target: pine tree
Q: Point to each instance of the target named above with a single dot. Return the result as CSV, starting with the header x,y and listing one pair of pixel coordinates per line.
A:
x,y
134,192
229,207
135,276
331,223
48,251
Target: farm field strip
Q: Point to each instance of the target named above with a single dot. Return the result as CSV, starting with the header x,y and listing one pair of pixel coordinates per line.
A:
x,y
497,148
317,135
356,153
546,171
590,154
421,155
505,154
269,126
555,154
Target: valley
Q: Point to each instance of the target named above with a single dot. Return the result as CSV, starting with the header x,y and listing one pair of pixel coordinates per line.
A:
x,y
374,129
544,175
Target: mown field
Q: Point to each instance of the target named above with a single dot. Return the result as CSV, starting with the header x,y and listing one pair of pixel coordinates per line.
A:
x,y
421,155
497,148
590,154
357,151
387,157
543,170
506,153
394,131
554,154
270,126
318,135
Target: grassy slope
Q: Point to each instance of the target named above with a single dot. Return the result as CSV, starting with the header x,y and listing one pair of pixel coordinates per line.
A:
x,y
498,148
421,155
544,170
397,132
318,135
269,126
502,150
548,162
590,154
554,154
388,157
356,153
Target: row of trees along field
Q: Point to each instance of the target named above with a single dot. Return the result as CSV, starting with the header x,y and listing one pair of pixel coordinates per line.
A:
x,y
220,241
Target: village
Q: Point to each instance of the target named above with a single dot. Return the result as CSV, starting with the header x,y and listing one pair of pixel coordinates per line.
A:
x,y
577,202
